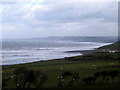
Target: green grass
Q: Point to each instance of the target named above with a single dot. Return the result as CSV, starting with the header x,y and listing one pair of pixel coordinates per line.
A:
x,y
86,65
54,70
114,46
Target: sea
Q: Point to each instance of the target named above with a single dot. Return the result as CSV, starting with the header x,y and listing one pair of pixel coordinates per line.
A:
x,y
17,51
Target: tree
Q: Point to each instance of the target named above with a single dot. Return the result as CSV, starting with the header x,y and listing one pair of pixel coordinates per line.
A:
x,y
89,80
60,81
75,80
40,79
67,74
23,77
20,75
30,78
5,81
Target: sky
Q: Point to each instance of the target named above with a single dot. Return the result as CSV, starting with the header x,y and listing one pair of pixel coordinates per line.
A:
x,y
46,19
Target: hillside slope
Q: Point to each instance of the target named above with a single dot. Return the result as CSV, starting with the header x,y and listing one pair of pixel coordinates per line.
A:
x,y
114,46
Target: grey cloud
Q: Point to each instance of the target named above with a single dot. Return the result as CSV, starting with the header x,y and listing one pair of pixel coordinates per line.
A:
x,y
69,12
61,19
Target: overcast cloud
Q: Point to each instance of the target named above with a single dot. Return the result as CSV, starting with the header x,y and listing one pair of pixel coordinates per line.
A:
x,y
44,19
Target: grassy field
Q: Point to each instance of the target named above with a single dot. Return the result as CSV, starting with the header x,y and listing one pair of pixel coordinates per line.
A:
x,y
86,66
54,68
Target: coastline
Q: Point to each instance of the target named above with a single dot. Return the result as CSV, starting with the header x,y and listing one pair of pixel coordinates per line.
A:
x,y
86,65
83,52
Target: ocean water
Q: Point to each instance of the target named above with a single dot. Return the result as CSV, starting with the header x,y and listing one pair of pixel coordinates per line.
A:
x,y
24,51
